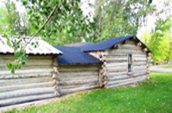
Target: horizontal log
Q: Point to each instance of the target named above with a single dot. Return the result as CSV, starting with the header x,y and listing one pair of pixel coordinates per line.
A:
x,y
116,73
75,82
139,63
24,81
67,91
126,51
140,74
29,63
25,72
119,59
26,86
73,78
31,75
132,42
78,65
25,67
117,69
76,85
119,77
13,101
140,59
26,92
135,68
114,54
82,73
131,47
140,55
78,69
139,70
126,81
116,64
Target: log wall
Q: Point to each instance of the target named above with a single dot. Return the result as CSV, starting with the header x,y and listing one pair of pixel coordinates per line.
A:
x,y
117,64
73,78
34,81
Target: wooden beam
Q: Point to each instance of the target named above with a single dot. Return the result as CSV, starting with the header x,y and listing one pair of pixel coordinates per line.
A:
x,y
139,44
145,49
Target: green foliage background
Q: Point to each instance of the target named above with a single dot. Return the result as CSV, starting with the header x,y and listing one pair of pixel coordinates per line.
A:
x,y
160,41
68,25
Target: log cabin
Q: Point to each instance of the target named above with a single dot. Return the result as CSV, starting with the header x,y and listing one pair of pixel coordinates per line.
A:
x,y
125,60
34,81
77,70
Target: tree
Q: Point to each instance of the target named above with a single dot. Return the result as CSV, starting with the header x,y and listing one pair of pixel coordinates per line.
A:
x,y
67,24
159,41
121,17
10,21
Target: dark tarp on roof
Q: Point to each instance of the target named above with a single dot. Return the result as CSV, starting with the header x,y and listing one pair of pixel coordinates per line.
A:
x,y
103,45
74,55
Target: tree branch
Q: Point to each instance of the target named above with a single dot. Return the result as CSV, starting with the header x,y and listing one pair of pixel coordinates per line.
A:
x,y
43,25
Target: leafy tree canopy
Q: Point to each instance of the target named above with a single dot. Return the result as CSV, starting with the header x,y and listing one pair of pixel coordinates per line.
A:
x,y
160,41
66,25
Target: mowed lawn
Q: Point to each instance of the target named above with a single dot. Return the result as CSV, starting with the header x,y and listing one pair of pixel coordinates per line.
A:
x,y
152,96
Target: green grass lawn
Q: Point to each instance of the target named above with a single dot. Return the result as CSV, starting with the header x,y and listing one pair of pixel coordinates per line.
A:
x,y
152,96
167,66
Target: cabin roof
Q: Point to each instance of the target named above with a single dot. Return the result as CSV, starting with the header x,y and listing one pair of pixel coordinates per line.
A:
x,y
106,44
77,53
74,55
43,47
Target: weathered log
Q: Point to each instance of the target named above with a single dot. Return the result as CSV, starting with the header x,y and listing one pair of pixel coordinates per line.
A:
x,y
139,55
25,86
75,82
26,92
13,101
117,73
140,59
125,81
81,73
140,74
24,81
31,75
125,52
139,44
117,69
139,71
125,59
76,85
77,69
145,49
119,77
34,62
139,63
25,72
86,87
73,78
116,64
135,68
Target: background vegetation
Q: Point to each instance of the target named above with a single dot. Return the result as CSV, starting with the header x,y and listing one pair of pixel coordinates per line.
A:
x,y
68,24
